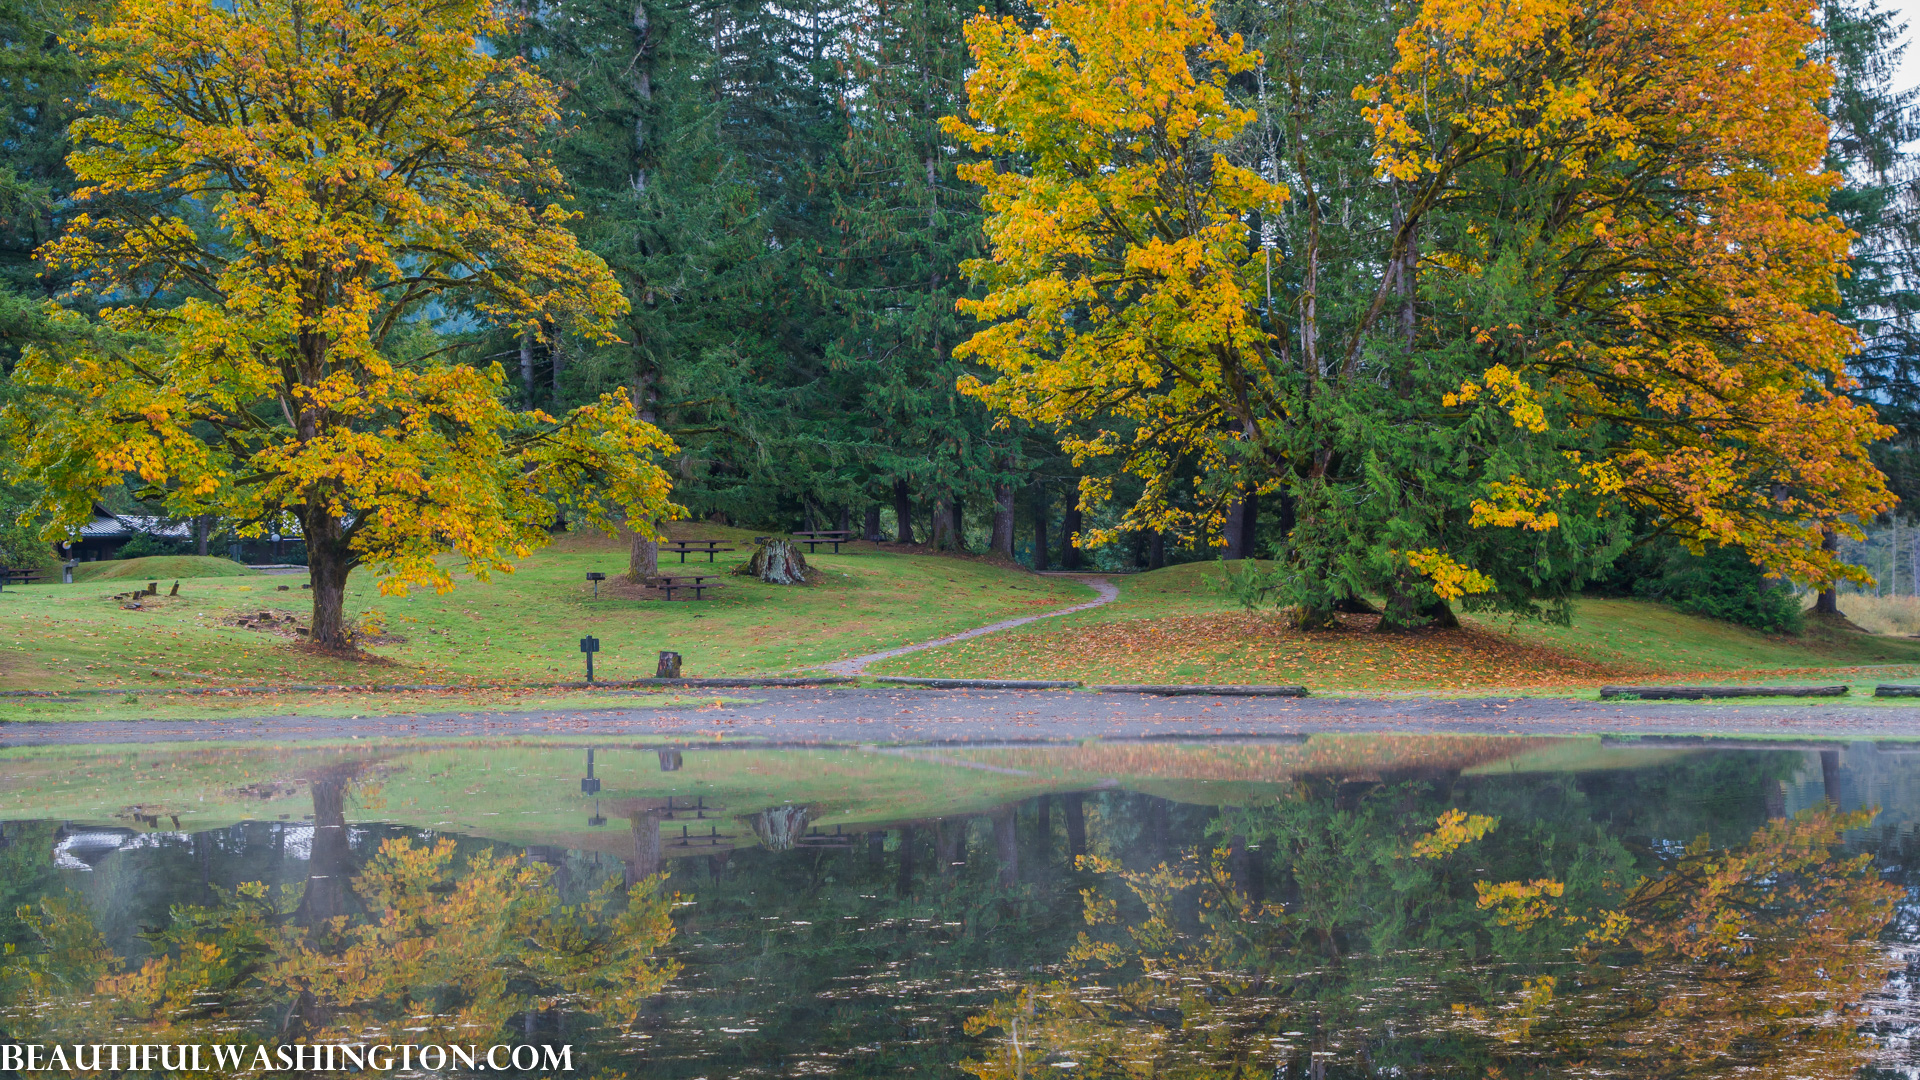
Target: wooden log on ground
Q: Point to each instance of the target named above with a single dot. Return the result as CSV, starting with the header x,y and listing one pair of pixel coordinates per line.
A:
x,y
981,684
1896,690
1702,693
1214,690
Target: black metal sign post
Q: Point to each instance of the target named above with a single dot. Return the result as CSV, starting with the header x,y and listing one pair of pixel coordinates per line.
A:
x,y
589,645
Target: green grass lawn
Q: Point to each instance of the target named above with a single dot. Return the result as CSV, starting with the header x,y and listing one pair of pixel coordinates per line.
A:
x,y
524,626
343,703
1172,625
1169,625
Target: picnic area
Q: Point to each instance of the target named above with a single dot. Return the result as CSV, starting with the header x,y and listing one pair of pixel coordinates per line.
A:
x,y
233,627
521,626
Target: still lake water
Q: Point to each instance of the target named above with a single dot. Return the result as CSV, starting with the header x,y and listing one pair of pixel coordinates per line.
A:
x,y
1324,907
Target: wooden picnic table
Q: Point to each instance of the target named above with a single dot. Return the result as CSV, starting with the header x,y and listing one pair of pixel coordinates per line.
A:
x,y
696,582
836,537
711,547
25,575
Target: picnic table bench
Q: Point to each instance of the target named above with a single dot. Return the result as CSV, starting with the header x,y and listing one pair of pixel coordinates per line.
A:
x,y
711,547
836,537
25,575
666,583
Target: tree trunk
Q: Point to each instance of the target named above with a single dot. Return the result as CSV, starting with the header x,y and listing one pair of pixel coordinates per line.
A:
x,y
943,517
1073,808
646,847
959,524
950,836
1440,614
1242,521
1828,602
1156,828
1830,776
1040,510
846,520
1070,534
329,889
1006,845
559,355
1001,541
202,533
870,528
329,561
903,885
643,558
1043,826
902,512
1401,611
526,364
1156,550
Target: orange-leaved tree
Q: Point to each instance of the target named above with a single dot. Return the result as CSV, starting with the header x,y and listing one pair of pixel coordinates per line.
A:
x,y
1670,164
284,206
1478,284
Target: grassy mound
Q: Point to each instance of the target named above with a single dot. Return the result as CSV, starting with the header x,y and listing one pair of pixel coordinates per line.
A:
x,y
155,567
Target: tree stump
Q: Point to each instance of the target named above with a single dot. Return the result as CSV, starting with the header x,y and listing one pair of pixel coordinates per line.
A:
x,y
777,562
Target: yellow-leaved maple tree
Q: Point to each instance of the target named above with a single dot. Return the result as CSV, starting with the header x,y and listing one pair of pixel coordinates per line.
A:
x,y
280,201
1118,280
1532,269
1688,256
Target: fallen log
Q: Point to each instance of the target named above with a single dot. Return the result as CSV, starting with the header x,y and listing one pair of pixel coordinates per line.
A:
x,y
1701,693
1896,690
1213,691
981,684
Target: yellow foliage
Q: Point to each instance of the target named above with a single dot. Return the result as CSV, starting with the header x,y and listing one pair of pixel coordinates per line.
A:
x,y
1455,829
1713,348
270,191
1519,904
1450,579
1120,277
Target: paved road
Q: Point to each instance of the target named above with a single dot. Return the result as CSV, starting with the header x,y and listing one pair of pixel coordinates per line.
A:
x,y
916,715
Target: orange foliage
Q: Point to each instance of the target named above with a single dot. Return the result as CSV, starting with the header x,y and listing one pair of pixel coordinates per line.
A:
x,y
1683,146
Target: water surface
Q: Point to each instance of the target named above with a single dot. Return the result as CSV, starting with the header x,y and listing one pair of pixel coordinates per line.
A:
x,y
1333,906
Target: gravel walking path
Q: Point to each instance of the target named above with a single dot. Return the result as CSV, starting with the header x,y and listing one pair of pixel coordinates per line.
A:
x,y
1108,591
913,715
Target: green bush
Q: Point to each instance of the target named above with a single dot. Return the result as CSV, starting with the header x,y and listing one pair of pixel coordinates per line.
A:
x,y
1721,583
20,545
145,544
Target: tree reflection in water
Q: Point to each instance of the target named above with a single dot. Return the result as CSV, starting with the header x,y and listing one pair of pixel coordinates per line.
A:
x,y
1409,942
420,946
1426,906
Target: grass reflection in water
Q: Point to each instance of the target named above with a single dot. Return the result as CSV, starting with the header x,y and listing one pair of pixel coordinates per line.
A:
x,y
1326,907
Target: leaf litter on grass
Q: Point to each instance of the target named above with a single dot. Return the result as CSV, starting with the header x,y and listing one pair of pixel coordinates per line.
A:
x,y
1235,647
